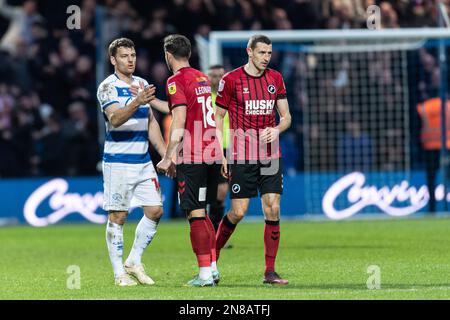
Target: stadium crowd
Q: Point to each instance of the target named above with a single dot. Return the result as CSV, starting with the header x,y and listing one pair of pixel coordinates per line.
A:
x,y
47,90
48,113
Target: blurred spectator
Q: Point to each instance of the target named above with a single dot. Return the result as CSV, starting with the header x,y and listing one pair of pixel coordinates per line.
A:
x,y
354,149
21,20
430,114
80,135
45,69
158,77
50,144
291,153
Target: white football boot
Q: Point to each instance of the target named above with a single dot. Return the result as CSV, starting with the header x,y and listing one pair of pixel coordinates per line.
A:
x,y
125,280
139,273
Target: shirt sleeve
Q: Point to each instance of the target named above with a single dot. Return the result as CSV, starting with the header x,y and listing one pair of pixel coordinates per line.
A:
x,y
175,94
224,92
107,95
281,87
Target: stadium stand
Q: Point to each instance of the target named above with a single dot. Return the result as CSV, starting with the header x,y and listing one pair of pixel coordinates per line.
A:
x,y
47,91
47,83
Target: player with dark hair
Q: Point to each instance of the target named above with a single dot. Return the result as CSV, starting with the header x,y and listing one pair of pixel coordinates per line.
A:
x,y
193,125
129,177
252,94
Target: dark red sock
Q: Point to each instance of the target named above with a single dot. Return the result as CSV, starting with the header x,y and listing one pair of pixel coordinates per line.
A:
x,y
212,234
216,211
271,242
201,242
224,232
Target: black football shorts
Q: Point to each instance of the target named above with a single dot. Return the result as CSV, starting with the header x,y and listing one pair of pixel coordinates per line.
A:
x,y
197,185
246,179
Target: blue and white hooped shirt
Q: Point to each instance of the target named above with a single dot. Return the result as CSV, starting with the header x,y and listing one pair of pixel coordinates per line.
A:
x,y
129,142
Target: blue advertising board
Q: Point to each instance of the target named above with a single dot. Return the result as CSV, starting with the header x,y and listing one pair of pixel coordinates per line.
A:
x,y
42,202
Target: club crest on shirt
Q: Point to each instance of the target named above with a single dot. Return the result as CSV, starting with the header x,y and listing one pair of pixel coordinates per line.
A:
x,y
271,88
105,93
172,87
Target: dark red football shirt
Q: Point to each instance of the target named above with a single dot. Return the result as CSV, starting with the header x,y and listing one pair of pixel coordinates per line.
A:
x,y
191,88
251,105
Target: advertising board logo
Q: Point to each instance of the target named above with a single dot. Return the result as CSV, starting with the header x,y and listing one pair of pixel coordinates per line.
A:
x,y
400,200
62,203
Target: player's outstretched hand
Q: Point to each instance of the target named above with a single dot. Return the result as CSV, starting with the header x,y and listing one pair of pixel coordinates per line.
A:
x,y
134,89
143,94
224,169
269,135
151,89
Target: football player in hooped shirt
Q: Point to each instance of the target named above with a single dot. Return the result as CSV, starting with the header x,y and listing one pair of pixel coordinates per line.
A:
x,y
252,94
129,177
198,159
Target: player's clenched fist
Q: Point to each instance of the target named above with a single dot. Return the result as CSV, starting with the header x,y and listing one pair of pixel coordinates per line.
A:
x,y
166,166
143,94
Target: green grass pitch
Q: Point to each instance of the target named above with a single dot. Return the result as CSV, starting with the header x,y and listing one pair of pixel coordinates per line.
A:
x,y
322,260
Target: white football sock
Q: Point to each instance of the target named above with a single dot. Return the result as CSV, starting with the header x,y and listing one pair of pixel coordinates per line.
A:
x,y
114,240
145,231
214,266
205,273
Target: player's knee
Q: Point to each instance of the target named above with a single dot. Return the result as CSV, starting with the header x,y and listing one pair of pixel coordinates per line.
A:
x,y
118,217
267,211
272,211
158,213
237,214
154,213
275,208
